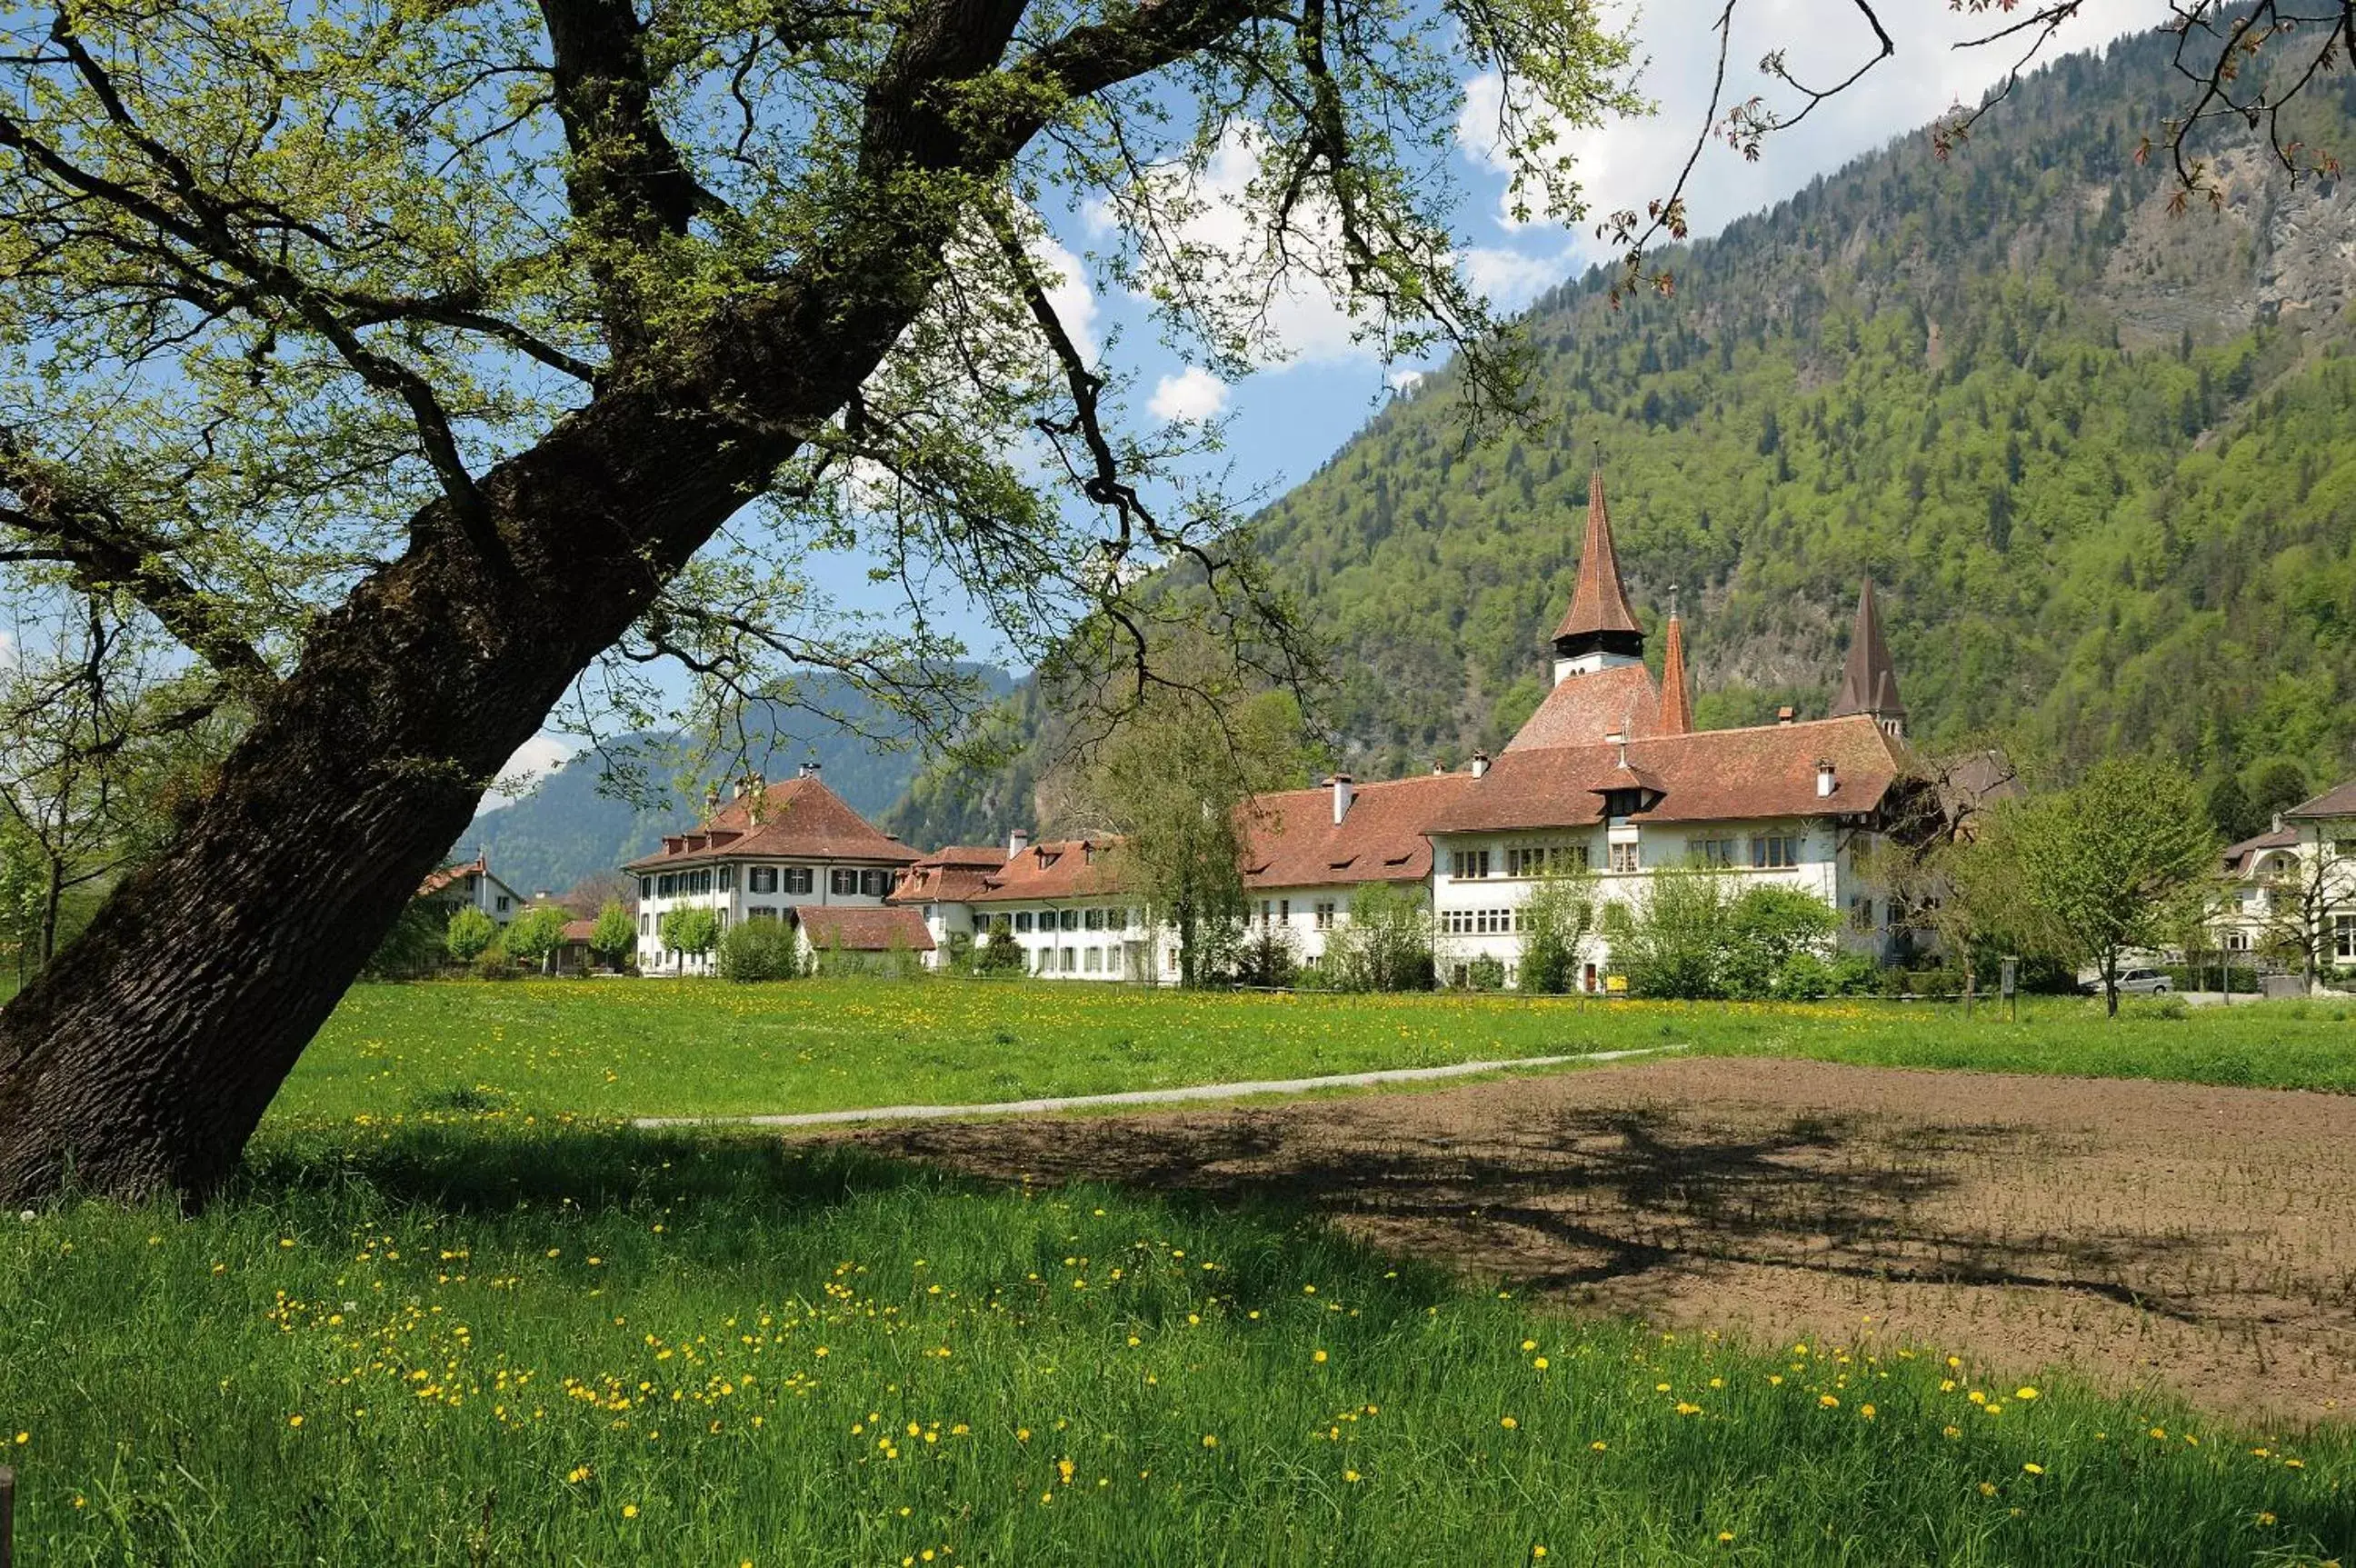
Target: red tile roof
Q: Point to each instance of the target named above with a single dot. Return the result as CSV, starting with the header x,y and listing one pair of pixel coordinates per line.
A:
x,y
580,930
1583,709
1677,703
1056,869
1293,841
2340,800
954,874
1727,775
851,929
1599,603
797,819
436,881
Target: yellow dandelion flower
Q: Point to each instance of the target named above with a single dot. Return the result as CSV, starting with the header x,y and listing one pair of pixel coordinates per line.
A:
x,y
1951,1432
1318,1357
2032,1469
1540,1362
1830,1401
1598,1445
291,1421
2024,1393
1988,1488
629,1510
1210,1440
1508,1423
1352,1474
1724,1535
1866,1412
2262,1518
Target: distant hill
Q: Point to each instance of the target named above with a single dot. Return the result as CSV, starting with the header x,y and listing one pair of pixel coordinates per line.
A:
x,y
566,829
2098,457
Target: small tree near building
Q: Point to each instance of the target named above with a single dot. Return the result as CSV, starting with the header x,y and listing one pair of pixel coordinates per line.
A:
x,y
615,934
1559,927
537,933
1384,944
2109,865
469,934
694,932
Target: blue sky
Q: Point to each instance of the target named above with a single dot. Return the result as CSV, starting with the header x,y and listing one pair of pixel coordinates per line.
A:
x,y
1294,411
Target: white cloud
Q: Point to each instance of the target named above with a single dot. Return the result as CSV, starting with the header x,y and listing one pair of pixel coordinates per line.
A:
x,y
1193,393
1073,300
532,759
1403,379
1511,279
1626,163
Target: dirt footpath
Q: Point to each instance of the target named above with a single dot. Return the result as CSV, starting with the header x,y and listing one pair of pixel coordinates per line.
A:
x,y
2201,1241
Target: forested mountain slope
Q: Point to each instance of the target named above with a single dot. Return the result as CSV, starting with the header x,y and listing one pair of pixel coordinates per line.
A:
x,y
2101,458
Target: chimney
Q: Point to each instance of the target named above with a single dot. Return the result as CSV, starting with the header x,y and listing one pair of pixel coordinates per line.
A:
x,y
1827,780
809,769
1785,715
1619,739
1480,763
1343,795
1017,842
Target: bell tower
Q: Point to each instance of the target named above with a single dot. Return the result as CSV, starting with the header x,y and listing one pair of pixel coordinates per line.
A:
x,y
1599,631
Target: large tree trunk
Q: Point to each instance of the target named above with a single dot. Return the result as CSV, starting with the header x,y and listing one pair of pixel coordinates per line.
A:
x,y
140,1060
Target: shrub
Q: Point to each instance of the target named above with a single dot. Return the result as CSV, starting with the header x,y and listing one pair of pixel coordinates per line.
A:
x,y
1484,973
760,949
469,934
495,963
1269,957
999,955
1695,939
1770,928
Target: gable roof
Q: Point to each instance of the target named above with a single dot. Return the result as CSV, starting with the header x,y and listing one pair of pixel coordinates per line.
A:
x,y
2240,857
798,817
1599,603
1727,775
1292,840
951,874
2340,800
856,930
1869,678
436,880
1582,709
1052,869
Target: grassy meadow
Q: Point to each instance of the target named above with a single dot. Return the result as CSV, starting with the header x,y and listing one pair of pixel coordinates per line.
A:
x,y
480,1343
454,1312
701,1047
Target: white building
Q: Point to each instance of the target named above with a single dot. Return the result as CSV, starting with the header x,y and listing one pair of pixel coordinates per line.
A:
x,y
2294,884
1609,777
472,887
776,852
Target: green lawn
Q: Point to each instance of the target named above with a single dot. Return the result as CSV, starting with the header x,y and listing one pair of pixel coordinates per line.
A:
x,y
471,1341
685,1048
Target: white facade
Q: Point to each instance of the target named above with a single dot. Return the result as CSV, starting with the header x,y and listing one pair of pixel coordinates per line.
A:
x,y
2304,869
748,890
1081,938
1480,881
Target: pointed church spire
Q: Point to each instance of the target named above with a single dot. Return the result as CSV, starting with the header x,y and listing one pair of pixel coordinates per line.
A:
x,y
1870,680
1676,707
1599,620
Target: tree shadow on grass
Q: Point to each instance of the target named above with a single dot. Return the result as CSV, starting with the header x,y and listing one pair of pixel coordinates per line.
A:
x,y
493,1165
1573,1199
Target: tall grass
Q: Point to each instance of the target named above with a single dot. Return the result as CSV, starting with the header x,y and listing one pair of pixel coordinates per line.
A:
x,y
469,1341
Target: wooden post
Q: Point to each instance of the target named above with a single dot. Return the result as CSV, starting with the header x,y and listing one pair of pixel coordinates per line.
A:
x,y
7,1517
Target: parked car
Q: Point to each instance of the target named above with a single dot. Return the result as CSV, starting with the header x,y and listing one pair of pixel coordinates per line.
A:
x,y
2133,982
